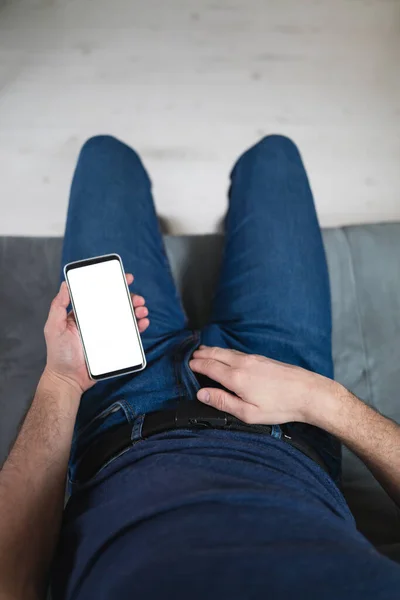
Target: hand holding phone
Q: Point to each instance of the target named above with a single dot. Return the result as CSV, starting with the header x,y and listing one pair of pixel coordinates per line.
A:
x,y
65,353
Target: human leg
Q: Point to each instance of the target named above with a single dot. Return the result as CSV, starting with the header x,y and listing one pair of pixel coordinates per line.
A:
x,y
273,295
111,210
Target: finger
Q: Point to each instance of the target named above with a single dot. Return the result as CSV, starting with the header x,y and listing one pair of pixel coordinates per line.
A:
x,y
229,357
129,278
58,307
226,402
137,300
141,312
63,295
143,325
213,369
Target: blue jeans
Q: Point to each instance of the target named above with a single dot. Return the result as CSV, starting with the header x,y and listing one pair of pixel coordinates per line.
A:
x,y
273,293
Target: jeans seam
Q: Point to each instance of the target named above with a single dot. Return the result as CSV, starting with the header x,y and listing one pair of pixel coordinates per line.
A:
x,y
194,341
179,358
129,412
175,358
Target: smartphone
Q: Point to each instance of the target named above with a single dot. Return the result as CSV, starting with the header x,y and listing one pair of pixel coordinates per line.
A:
x,y
105,317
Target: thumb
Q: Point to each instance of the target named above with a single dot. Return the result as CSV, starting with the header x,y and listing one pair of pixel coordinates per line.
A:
x,y
223,401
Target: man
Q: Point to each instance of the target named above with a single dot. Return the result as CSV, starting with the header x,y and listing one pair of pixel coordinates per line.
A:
x,y
188,501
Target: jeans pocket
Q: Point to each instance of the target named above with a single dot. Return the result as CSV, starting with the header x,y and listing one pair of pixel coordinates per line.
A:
x,y
76,484
102,416
116,414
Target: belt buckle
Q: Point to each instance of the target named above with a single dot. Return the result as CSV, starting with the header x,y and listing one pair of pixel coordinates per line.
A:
x,y
197,414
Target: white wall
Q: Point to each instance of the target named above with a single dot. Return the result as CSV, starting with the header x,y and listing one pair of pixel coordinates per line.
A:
x,y
191,83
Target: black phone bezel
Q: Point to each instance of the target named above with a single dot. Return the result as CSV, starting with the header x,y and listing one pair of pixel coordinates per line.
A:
x,y
85,263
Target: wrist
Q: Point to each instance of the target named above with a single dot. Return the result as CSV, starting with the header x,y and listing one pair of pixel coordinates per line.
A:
x,y
60,386
327,406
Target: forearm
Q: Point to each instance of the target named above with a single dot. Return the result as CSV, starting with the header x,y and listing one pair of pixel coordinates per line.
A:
x,y
374,438
32,487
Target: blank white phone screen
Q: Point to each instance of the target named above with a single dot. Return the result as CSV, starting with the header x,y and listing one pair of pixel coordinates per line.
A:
x,y
105,318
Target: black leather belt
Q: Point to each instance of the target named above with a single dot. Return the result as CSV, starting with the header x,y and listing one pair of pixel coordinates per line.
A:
x,y
189,415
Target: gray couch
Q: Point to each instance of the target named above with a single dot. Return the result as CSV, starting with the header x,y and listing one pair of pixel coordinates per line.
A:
x,y
364,268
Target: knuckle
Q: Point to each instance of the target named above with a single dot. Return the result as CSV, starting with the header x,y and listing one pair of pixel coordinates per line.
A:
x,y
209,363
220,400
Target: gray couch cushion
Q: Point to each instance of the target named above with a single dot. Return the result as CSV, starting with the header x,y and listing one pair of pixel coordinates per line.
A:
x,y
365,287
365,283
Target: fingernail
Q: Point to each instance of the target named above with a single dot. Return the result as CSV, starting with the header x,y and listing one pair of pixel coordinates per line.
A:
x,y
203,396
202,346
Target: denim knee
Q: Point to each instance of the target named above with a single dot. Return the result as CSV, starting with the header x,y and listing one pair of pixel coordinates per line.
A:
x,y
275,144
103,143
106,150
271,147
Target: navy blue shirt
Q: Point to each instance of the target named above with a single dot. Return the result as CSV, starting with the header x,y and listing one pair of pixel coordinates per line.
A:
x,y
215,514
